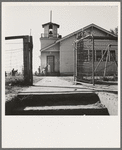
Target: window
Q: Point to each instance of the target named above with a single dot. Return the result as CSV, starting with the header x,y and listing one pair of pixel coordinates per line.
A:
x,y
90,55
50,26
98,55
112,55
50,30
105,54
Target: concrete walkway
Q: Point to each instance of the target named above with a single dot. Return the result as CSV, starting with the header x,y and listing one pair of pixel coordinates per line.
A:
x,y
54,85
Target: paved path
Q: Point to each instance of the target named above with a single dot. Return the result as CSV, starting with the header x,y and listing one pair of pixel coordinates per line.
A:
x,y
55,84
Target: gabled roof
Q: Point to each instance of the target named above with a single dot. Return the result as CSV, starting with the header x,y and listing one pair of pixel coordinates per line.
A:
x,y
76,32
50,23
82,29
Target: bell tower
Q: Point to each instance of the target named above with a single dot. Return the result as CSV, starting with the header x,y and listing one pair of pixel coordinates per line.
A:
x,y
50,34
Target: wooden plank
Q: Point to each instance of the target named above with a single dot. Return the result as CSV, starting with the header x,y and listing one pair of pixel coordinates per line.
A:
x,y
15,37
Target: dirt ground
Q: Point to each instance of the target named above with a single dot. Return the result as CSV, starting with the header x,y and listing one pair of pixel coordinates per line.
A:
x,y
107,94
110,100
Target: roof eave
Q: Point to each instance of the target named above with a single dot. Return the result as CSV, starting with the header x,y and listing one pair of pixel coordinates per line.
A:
x,y
84,28
50,23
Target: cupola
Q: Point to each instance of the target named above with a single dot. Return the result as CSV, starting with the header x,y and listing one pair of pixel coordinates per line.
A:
x,y
50,29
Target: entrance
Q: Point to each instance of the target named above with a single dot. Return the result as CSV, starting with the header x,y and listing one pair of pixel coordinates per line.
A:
x,y
50,62
27,56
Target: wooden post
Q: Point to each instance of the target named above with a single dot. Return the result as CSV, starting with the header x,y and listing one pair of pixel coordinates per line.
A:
x,y
27,56
31,60
93,61
100,60
106,61
26,59
75,63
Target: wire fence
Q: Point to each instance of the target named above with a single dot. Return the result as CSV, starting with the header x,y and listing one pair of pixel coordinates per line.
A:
x,y
105,60
14,58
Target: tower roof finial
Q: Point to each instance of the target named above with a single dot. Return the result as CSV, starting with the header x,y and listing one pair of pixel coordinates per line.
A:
x,y
51,16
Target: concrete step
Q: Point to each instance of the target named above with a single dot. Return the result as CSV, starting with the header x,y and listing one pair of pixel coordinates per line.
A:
x,y
96,109
57,99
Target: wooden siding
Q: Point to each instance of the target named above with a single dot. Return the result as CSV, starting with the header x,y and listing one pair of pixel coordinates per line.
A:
x,y
67,56
67,50
44,60
46,42
84,59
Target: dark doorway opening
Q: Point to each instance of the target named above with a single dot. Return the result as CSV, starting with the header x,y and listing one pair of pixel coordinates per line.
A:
x,y
50,63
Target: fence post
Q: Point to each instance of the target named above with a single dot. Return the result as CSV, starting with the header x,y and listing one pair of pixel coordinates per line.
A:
x,y
75,63
31,60
106,61
93,61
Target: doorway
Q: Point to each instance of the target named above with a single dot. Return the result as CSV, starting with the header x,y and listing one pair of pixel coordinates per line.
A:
x,y
50,63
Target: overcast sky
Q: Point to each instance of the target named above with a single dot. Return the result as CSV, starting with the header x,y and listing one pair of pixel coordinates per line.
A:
x,y
19,18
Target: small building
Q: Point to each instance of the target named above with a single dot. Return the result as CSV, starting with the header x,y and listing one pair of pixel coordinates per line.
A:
x,y
58,52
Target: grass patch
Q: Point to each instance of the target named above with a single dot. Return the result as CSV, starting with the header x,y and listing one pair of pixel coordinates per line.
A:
x,y
15,84
14,80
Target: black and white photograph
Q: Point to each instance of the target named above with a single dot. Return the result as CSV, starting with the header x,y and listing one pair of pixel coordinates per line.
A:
x,y
61,60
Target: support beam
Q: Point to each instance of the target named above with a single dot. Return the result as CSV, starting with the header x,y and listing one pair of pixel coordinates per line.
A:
x,y
106,62
15,37
98,38
105,38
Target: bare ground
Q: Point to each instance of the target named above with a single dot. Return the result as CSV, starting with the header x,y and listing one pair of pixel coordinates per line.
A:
x,y
110,100
107,94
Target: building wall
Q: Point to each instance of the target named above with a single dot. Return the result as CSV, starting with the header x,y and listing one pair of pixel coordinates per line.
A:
x,y
102,45
67,56
96,32
67,50
46,29
85,67
47,41
54,30
44,55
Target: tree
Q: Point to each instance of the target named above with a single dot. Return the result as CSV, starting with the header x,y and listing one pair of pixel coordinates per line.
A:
x,y
114,31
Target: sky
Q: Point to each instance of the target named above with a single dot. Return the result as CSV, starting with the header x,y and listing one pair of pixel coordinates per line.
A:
x,y
19,18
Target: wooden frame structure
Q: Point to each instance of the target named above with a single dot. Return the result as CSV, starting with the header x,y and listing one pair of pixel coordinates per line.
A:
x,y
92,37
27,56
